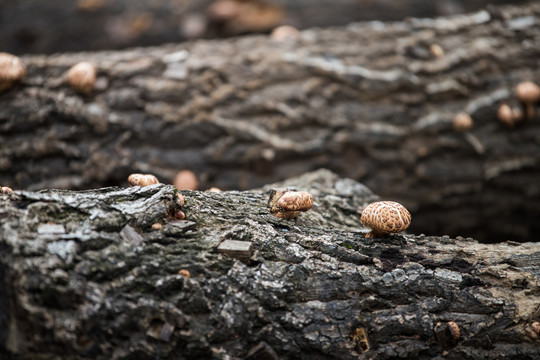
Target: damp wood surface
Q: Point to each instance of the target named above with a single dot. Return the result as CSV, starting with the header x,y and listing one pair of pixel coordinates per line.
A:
x,y
371,101
84,274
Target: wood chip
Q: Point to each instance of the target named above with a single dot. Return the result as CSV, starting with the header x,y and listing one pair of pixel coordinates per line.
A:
x,y
241,250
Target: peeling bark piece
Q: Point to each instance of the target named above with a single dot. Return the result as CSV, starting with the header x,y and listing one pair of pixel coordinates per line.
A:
x,y
160,330
130,235
445,336
241,250
51,229
182,224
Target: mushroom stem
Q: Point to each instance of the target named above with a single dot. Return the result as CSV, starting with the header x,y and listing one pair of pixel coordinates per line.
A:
x,y
376,234
529,111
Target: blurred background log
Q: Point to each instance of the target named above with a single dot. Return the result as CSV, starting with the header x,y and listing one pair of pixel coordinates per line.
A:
x,y
371,101
28,26
90,275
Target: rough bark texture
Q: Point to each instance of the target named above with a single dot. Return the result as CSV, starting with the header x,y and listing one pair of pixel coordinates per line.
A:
x,y
369,101
28,26
84,275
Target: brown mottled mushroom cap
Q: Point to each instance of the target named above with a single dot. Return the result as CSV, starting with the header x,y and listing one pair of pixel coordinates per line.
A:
x,y
142,179
287,204
12,69
385,217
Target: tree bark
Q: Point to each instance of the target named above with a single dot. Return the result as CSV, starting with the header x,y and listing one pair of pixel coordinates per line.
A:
x,y
87,274
371,101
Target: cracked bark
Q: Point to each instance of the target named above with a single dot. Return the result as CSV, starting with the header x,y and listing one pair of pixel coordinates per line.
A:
x,y
84,275
369,101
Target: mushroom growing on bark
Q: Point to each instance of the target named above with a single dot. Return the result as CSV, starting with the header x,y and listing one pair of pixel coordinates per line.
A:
x,y
142,179
462,122
12,69
186,180
384,218
509,116
528,93
5,190
82,77
287,204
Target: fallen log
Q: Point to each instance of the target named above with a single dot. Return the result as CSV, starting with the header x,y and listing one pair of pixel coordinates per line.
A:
x,y
48,27
371,101
88,274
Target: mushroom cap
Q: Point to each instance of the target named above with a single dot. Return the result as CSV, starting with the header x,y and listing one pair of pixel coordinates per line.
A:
x,y
11,69
462,122
214,189
295,201
505,114
287,204
284,32
82,77
385,217
454,329
142,179
186,180
528,92
6,190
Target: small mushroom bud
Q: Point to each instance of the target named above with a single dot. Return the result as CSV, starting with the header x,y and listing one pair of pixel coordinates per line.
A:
x,y
506,115
517,114
384,218
142,179
287,204
284,32
436,50
528,93
214,190
82,77
179,200
5,190
184,273
12,69
179,215
462,122
454,330
186,180
157,226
